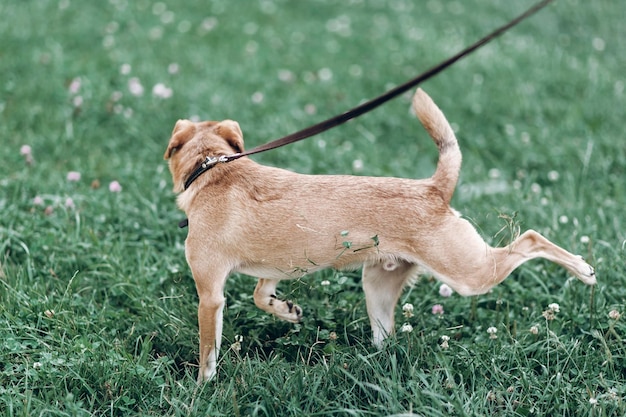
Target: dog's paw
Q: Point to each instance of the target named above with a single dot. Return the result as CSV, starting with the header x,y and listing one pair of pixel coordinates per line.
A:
x,y
288,311
283,309
585,272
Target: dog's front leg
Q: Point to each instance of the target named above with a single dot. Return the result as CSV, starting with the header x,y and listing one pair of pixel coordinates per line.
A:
x,y
210,286
210,316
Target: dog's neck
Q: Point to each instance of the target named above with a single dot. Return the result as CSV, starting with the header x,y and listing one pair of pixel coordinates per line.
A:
x,y
208,163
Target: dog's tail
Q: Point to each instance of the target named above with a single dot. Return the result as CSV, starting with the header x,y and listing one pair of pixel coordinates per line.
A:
x,y
435,123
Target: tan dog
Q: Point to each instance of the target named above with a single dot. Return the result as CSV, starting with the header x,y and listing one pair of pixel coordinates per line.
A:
x,y
276,224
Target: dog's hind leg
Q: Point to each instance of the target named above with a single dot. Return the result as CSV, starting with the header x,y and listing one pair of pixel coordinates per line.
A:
x,y
265,298
472,267
531,245
382,284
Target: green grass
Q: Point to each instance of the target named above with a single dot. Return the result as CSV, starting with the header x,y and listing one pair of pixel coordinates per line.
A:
x,y
97,305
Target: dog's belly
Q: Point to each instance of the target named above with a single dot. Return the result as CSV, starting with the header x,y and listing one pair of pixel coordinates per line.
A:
x,y
276,272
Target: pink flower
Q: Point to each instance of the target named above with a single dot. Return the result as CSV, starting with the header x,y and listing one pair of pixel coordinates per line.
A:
x,y
437,309
27,152
445,291
38,201
73,176
115,187
69,203
75,85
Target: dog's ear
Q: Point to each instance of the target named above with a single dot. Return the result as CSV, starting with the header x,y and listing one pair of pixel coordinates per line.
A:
x,y
231,132
182,133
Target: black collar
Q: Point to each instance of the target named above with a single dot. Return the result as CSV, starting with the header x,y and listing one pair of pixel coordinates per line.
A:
x,y
206,165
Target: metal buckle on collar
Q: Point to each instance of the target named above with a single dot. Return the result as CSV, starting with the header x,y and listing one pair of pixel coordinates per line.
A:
x,y
208,163
211,161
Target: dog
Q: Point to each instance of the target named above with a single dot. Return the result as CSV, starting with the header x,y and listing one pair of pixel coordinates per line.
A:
x,y
275,224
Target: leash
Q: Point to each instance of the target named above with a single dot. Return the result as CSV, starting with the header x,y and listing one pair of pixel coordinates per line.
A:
x,y
357,111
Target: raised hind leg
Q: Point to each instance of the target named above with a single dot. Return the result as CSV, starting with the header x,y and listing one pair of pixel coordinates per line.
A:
x,y
461,258
531,245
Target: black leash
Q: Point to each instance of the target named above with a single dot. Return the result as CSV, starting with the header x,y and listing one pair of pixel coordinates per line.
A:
x,y
391,94
357,111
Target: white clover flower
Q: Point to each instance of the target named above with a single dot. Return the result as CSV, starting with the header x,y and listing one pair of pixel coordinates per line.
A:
x,y
357,165
598,44
407,310
286,75
553,175
310,109
125,69
584,239
445,290
237,345
534,329
406,328
535,188
492,332
325,283
554,307
325,74
173,68
160,90
258,97
444,342
135,87
614,315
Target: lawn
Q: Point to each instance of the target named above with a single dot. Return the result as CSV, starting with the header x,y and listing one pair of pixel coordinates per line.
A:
x,y
97,304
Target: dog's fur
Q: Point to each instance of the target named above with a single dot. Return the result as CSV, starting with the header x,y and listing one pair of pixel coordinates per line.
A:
x,y
275,224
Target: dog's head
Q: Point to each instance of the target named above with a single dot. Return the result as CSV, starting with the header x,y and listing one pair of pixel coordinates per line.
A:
x,y
192,142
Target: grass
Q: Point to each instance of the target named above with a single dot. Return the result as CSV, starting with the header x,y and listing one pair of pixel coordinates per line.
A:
x,y
97,305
